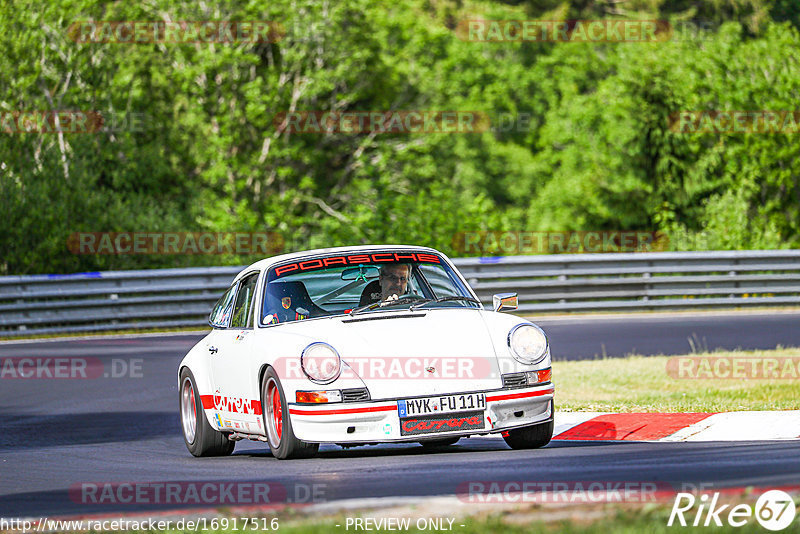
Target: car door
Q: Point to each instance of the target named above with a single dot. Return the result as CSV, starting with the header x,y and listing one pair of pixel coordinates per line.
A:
x,y
235,401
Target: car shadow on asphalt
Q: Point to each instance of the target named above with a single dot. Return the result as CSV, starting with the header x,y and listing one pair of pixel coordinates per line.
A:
x,y
472,446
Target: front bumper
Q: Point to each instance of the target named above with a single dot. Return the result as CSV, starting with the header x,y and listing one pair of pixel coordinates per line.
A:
x,y
379,421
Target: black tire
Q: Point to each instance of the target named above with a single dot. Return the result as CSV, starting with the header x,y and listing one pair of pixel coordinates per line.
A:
x,y
280,436
531,437
206,440
437,443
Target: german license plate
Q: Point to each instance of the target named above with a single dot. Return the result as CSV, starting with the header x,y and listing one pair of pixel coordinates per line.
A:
x,y
442,404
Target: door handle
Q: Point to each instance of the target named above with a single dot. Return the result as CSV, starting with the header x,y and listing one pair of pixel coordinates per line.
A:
x,y
213,350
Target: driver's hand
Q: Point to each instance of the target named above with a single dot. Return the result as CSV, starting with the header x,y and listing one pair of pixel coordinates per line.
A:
x,y
390,299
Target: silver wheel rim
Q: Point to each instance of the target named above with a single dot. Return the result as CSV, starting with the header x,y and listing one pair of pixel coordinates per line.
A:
x,y
188,410
272,432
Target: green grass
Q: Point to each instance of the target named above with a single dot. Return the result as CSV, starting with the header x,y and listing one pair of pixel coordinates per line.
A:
x,y
642,384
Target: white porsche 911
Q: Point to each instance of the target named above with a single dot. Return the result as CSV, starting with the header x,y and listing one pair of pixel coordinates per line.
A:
x,y
362,345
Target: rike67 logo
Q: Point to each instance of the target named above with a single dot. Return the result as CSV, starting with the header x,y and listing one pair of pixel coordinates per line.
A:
x,y
774,510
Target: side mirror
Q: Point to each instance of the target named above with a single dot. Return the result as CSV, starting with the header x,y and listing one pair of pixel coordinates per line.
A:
x,y
504,302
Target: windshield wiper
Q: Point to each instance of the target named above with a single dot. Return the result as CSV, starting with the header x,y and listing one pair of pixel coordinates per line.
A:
x,y
383,303
444,299
364,308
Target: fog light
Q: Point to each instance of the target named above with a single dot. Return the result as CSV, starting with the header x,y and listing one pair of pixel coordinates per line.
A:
x,y
315,397
537,377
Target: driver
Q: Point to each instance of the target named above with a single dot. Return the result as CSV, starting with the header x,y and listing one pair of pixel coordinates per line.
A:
x,y
392,283
394,280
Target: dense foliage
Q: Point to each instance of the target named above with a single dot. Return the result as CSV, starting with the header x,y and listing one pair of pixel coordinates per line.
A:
x,y
589,148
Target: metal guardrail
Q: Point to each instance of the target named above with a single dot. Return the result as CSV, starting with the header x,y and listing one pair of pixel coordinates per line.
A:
x,y
163,298
111,300
640,281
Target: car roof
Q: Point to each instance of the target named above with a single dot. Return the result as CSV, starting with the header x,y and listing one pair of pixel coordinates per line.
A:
x,y
266,263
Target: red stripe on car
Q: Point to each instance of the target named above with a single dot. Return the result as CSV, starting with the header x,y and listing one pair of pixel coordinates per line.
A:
x,y
295,411
520,395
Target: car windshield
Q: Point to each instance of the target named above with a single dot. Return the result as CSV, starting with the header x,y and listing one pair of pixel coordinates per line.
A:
x,y
361,283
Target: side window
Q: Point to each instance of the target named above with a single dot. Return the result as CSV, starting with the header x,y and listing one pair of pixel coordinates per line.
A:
x,y
243,307
221,313
440,282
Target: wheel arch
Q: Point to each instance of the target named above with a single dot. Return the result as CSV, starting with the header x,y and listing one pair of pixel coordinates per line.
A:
x,y
203,383
261,372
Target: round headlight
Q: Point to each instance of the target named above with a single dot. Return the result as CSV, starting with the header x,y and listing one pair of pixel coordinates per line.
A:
x,y
528,343
321,363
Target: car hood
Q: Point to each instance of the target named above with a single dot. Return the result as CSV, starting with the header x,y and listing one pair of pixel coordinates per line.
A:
x,y
401,354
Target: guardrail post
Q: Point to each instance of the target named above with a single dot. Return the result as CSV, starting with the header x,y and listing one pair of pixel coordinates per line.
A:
x,y
733,273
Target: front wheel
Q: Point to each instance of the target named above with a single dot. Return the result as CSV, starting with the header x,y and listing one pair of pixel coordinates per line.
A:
x,y
200,438
531,437
282,441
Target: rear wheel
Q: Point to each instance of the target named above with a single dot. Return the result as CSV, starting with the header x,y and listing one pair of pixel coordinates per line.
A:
x,y
282,441
200,437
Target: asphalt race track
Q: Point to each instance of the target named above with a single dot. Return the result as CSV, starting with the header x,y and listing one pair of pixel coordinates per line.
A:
x,y
585,337
58,433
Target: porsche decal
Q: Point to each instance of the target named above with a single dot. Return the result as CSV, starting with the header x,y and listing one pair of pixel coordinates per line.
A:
x,y
355,259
